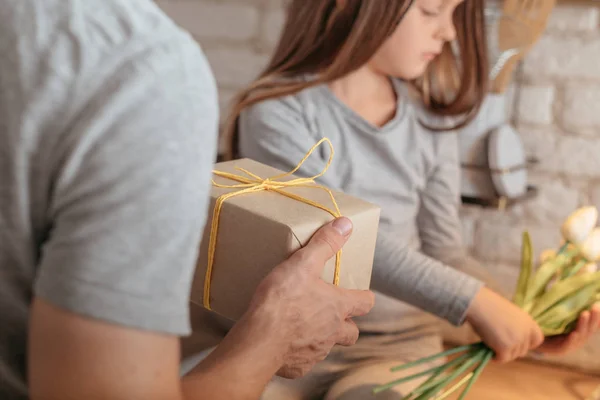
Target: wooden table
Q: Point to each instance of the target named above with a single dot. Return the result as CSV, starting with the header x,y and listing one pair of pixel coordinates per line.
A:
x,y
532,381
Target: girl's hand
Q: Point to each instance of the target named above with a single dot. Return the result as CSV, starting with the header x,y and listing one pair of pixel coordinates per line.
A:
x,y
503,326
588,325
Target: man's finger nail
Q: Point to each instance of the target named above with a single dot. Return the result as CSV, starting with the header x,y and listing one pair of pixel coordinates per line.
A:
x,y
343,226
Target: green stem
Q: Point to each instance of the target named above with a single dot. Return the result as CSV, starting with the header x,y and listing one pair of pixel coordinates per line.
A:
x,y
474,358
476,374
388,386
563,248
573,271
444,395
427,395
430,379
455,350
436,370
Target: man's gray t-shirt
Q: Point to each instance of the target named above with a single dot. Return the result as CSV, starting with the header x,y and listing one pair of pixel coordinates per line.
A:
x,y
108,123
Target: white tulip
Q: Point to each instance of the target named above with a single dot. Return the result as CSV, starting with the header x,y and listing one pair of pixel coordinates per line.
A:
x,y
579,224
590,248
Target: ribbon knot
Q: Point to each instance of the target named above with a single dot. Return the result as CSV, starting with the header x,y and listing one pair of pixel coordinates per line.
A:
x,y
252,183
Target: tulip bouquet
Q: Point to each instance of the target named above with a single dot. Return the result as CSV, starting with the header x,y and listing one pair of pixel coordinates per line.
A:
x,y
565,284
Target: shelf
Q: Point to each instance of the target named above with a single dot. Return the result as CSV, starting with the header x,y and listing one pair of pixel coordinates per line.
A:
x,y
501,203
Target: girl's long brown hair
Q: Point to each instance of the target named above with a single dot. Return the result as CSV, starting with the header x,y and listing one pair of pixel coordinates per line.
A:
x,y
329,41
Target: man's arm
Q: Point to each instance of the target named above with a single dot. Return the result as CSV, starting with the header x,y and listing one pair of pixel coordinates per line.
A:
x,y
73,357
292,323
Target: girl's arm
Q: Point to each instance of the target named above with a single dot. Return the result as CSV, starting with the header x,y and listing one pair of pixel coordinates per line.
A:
x,y
439,220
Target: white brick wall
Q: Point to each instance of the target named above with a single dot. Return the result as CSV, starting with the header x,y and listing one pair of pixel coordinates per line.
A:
x,y
555,201
558,118
499,239
234,67
595,194
564,57
573,19
273,23
582,106
578,157
205,20
536,104
540,143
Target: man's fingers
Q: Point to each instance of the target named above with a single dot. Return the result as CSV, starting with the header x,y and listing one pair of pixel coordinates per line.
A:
x,y
357,302
348,334
324,244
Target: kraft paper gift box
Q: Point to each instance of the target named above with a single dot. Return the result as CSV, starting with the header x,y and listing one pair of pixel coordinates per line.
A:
x,y
259,230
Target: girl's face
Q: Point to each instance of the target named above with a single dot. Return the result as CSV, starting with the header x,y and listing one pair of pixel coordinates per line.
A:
x,y
417,40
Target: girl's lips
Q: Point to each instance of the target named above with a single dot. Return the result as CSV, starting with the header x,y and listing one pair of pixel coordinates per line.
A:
x,y
430,56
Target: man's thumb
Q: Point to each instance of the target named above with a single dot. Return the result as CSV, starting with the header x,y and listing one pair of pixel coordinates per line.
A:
x,y
325,243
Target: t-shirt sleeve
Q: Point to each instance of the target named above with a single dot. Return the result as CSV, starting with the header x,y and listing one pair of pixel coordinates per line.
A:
x,y
439,220
129,201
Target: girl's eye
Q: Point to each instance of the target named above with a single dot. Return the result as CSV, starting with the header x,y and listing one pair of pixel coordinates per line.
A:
x,y
430,13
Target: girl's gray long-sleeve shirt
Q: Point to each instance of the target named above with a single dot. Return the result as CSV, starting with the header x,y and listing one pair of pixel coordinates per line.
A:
x,y
411,172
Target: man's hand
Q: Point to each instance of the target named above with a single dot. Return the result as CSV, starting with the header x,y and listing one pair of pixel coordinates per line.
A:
x,y
293,321
308,315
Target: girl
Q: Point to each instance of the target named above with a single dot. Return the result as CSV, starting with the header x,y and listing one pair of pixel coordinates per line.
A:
x,y
380,78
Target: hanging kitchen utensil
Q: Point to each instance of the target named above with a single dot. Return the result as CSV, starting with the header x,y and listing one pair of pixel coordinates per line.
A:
x,y
519,26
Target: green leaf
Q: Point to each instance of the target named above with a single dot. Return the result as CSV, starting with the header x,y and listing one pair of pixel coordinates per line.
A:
x,y
543,276
568,308
526,270
561,290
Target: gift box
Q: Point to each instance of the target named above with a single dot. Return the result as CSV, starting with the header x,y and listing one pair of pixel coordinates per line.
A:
x,y
259,224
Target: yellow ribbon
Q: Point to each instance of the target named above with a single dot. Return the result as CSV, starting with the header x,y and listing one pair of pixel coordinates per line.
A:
x,y
253,184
